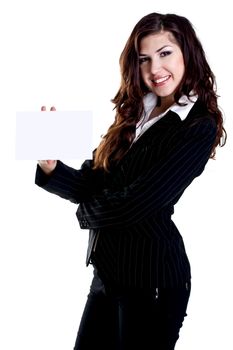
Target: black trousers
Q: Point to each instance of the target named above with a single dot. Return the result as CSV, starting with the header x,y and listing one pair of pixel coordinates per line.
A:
x,y
132,320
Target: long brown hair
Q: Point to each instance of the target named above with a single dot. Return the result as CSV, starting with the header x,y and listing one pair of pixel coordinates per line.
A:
x,y
128,101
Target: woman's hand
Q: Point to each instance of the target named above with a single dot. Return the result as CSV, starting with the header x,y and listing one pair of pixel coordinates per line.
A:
x,y
47,165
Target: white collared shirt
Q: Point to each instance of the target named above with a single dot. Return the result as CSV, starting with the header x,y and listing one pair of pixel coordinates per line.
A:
x,y
150,101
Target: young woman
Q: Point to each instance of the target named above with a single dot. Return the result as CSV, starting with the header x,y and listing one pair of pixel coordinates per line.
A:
x,y
167,126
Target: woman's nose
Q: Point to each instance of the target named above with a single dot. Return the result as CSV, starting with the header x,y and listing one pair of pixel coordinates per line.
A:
x,y
155,66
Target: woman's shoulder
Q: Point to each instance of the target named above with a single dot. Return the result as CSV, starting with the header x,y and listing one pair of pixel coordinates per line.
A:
x,y
200,117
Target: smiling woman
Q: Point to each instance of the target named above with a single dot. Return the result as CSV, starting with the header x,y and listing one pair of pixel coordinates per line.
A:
x,y
162,67
167,126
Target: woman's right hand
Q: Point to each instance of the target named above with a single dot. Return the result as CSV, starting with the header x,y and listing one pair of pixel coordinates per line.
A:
x,y
47,165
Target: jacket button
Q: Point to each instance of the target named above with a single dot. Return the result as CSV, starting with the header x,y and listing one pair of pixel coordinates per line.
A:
x,y
84,223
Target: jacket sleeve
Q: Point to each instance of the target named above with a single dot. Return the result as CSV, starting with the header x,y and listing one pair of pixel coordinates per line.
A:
x,y
68,183
154,189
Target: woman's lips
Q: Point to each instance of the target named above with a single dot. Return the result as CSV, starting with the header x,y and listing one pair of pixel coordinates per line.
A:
x,y
160,81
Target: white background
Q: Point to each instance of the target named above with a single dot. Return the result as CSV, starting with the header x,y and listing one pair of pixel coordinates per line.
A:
x,y
65,53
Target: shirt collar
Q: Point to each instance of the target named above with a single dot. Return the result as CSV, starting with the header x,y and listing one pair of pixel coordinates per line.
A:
x,y
150,100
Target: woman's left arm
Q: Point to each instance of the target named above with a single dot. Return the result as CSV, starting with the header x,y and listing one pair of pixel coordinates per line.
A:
x,y
156,188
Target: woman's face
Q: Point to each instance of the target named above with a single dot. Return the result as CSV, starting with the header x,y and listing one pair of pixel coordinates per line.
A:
x,y
161,65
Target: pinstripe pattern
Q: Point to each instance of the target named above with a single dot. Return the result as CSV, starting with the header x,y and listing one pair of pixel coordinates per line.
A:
x,y
129,210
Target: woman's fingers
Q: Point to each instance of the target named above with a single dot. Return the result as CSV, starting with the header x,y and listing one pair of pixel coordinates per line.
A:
x,y
52,109
47,165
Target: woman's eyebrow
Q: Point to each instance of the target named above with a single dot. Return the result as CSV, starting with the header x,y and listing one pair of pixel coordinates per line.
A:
x,y
161,48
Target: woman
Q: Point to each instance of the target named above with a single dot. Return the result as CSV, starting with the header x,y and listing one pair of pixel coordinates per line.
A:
x,y
167,126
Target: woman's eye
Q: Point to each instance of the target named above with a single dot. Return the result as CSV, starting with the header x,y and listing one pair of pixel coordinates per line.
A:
x,y
165,53
143,59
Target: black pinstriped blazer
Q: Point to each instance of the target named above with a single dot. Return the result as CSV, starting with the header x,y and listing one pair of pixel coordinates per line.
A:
x,y
133,241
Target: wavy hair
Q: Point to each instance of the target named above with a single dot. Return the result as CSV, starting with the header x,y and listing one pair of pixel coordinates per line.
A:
x,y
128,101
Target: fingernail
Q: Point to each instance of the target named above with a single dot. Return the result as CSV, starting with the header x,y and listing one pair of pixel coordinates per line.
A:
x,y
52,108
43,108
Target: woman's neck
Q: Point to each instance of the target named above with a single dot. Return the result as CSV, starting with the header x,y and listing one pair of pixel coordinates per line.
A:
x,y
161,107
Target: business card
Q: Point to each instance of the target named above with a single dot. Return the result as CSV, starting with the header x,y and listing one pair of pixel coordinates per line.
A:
x,y
54,135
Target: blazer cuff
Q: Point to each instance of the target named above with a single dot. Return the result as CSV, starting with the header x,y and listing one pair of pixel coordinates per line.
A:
x,y
42,179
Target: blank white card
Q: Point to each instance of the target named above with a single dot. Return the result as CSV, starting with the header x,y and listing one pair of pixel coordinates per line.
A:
x,y
54,135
